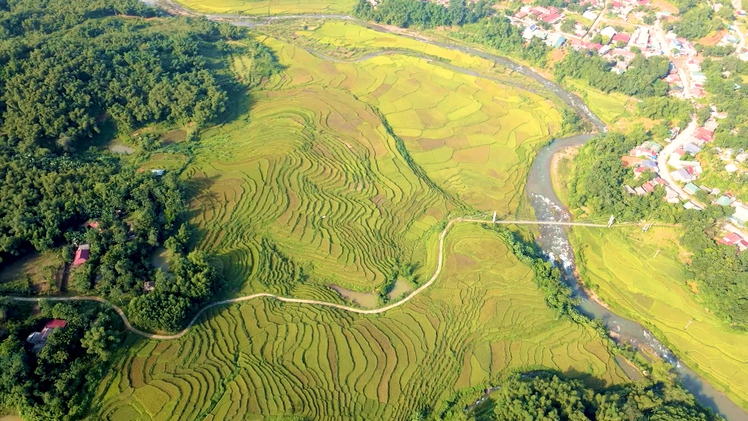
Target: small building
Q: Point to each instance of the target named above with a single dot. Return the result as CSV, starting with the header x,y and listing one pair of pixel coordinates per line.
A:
x,y
39,339
149,286
629,190
691,148
589,14
723,201
740,217
158,172
640,191
690,205
621,37
731,168
691,188
682,175
648,187
648,163
608,32
82,254
704,135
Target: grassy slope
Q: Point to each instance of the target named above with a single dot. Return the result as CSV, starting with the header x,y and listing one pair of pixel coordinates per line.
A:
x,y
263,358
271,7
622,266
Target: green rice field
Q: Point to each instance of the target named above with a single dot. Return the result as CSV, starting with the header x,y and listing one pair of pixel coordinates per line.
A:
x,y
270,7
622,266
264,358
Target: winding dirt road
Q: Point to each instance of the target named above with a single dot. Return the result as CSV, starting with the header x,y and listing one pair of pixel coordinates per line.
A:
x,y
437,272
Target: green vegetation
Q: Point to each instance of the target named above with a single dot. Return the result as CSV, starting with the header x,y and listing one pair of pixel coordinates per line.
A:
x,y
407,13
545,395
58,382
697,22
263,358
724,84
642,79
642,276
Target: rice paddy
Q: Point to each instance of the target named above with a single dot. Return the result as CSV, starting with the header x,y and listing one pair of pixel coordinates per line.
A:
x,y
336,173
622,266
264,358
270,7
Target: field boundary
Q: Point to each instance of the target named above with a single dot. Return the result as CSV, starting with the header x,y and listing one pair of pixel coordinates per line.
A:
x,y
434,277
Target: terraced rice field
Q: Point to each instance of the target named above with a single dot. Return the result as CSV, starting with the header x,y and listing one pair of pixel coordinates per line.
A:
x,y
270,7
653,291
340,169
265,358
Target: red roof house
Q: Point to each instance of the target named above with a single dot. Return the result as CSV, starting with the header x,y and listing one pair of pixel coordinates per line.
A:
x,y
54,324
730,239
621,37
648,187
704,135
82,254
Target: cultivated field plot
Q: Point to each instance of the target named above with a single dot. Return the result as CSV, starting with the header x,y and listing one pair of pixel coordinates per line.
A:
x,y
265,358
270,7
653,291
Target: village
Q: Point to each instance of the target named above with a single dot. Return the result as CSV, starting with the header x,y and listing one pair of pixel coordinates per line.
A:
x,y
599,26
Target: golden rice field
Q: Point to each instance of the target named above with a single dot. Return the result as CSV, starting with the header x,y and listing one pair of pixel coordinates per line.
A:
x,y
264,358
314,172
621,264
334,173
270,7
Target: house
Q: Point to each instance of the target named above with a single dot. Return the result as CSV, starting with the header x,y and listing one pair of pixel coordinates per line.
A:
x,y
730,239
149,286
682,175
589,14
740,217
691,205
629,190
648,163
671,195
608,32
703,135
648,187
158,172
624,38
82,254
39,339
741,157
640,191
731,168
691,188
723,201
691,148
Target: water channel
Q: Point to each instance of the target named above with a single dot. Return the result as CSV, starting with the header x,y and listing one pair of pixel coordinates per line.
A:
x,y
547,206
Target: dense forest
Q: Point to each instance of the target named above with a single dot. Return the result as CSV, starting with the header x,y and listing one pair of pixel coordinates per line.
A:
x,y
549,396
57,382
725,84
416,13
642,79
721,272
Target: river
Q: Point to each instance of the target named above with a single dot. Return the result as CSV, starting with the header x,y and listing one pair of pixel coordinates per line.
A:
x,y
548,207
